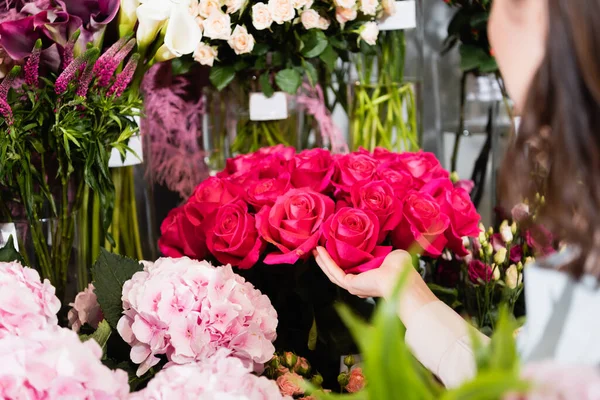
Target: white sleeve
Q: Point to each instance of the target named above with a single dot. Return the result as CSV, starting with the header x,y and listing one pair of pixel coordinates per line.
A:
x,y
440,339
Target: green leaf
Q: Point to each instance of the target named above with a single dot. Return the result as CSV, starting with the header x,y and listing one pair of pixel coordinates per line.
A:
x,y
241,65
314,43
221,76
265,85
276,59
9,254
329,56
181,65
110,273
260,49
311,73
313,335
100,335
288,80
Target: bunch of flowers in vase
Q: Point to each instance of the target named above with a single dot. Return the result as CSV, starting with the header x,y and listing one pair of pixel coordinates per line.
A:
x,y
267,211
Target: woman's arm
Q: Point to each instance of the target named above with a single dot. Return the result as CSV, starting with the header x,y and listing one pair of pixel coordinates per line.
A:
x,y
438,336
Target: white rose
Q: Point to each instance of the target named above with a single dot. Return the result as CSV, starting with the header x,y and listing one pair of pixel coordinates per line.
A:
x,y
234,6
310,19
369,7
217,26
261,17
323,23
205,54
345,3
281,10
343,15
369,33
389,7
298,4
194,8
207,7
241,41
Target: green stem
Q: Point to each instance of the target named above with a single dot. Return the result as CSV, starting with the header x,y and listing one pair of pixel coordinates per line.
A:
x,y
134,218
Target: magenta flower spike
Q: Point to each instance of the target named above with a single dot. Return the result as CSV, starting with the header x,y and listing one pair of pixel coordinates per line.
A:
x,y
109,54
110,66
84,81
124,78
6,111
68,75
33,64
8,82
67,57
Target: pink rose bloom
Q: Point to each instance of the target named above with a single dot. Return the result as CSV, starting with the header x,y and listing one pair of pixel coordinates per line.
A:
x,y
232,236
552,381
423,166
400,180
350,236
213,193
267,157
289,384
356,381
378,197
265,191
293,224
313,169
26,303
85,310
383,154
424,225
218,377
353,168
466,184
187,310
479,271
55,364
183,232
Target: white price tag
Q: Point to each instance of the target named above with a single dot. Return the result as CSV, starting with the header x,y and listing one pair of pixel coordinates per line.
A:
x,y
263,108
405,17
6,231
135,158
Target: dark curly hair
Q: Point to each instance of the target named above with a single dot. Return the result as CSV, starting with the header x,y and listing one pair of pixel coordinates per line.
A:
x,y
557,150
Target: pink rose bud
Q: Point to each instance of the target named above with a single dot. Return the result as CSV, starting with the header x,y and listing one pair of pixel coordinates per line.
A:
x,y
302,366
289,359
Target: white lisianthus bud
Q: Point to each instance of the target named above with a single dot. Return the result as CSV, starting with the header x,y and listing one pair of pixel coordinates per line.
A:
x,y
506,232
513,228
466,242
218,26
489,249
343,15
490,231
205,54
369,33
281,11
520,266
261,17
528,260
500,256
241,41
369,7
453,176
345,3
481,227
482,238
310,19
496,272
513,278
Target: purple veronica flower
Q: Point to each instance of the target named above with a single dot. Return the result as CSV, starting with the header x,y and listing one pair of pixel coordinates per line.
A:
x,y
8,82
6,111
124,78
33,64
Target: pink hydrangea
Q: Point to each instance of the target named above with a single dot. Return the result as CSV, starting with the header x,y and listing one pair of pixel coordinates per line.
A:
x,y
55,364
26,303
218,377
189,309
553,381
85,310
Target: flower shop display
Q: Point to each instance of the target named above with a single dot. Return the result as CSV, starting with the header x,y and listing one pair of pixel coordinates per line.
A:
x,y
267,211
60,128
491,273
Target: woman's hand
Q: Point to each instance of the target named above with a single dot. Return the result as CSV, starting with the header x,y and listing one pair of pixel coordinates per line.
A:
x,y
380,282
375,283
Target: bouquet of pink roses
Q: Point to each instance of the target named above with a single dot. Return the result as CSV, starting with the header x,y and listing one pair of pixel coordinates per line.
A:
x,y
267,211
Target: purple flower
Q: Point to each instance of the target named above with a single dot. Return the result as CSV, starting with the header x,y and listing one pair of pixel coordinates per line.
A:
x,y
94,14
8,82
478,271
84,81
68,75
107,65
516,254
33,64
6,111
124,78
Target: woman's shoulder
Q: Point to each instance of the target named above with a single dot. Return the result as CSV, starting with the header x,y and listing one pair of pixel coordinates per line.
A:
x,y
562,321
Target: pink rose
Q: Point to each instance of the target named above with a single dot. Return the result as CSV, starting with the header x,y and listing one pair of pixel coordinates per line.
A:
x,y
465,184
356,381
314,169
263,158
424,224
289,384
383,154
212,193
423,166
265,191
232,237
169,243
378,197
457,204
183,233
400,180
293,224
516,254
353,168
350,237
479,271
285,152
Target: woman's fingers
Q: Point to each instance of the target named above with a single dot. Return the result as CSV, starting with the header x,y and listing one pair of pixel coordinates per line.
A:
x,y
333,270
326,269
